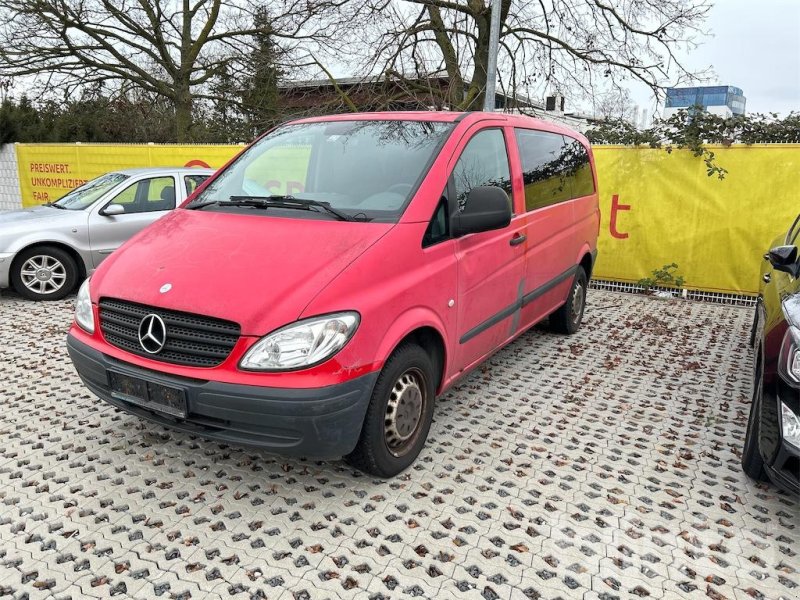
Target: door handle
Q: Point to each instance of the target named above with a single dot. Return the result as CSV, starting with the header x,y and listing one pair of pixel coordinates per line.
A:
x,y
517,239
767,277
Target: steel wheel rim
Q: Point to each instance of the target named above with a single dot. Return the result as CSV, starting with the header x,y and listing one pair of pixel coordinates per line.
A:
x,y
578,298
43,274
404,410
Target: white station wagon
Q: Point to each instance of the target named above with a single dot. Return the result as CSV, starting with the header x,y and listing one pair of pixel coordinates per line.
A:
x,y
47,250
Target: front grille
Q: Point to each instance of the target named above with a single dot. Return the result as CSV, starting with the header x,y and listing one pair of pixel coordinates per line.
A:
x,y
192,340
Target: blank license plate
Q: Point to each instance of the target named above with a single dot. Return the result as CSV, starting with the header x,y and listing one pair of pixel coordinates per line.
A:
x,y
153,396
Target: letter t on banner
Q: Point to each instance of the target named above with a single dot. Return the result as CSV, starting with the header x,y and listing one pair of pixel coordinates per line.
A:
x,y
612,226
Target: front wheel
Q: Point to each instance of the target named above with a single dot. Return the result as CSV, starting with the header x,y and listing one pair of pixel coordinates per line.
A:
x,y
399,415
567,319
44,273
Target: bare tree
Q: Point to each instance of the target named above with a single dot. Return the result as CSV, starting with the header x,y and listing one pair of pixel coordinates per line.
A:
x,y
172,49
614,104
571,46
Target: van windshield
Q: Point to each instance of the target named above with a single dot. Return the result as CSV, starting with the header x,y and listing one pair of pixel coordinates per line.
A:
x,y
364,170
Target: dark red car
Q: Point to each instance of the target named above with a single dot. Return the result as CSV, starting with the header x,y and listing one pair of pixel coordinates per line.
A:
x,y
772,442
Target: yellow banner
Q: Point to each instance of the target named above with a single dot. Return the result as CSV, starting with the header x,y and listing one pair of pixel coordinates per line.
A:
x,y
48,171
659,208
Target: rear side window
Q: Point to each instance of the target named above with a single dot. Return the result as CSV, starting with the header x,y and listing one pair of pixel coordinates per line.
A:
x,y
484,161
579,168
555,168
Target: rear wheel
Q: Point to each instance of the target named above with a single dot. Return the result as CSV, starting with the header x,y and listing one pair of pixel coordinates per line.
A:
x,y
752,462
399,415
44,273
567,319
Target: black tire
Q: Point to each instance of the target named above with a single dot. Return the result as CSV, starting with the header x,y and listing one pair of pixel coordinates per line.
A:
x,y
754,327
752,461
567,319
385,450
62,268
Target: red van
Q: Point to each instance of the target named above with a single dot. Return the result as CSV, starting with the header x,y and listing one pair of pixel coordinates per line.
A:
x,y
316,294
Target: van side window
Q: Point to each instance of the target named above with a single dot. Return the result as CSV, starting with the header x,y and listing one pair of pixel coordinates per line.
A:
x,y
545,168
438,229
484,161
580,168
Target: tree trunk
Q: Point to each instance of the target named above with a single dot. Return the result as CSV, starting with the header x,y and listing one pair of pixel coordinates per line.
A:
x,y
183,115
183,95
455,92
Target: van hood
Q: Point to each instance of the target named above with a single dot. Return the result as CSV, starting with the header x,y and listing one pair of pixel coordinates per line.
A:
x,y
253,269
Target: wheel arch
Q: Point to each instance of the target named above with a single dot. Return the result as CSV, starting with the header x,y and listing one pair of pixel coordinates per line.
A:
x,y
423,328
74,254
585,259
588,264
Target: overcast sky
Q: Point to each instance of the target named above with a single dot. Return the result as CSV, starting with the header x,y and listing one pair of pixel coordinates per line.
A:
x,y
754,45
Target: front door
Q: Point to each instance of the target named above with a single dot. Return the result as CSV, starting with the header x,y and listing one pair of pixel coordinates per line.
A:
x,y
491,263
143,201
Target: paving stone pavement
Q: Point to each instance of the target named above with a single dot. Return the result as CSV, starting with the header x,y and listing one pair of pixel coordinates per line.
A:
x,y
603,465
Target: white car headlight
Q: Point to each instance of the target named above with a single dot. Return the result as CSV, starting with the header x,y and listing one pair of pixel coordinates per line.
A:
x,y
84,315
789,357
302,344
790,425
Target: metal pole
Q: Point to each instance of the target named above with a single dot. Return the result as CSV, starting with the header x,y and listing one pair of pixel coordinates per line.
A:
x,y
491,67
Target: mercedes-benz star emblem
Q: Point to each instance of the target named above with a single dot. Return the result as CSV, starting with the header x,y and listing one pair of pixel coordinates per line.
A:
x,y
152,334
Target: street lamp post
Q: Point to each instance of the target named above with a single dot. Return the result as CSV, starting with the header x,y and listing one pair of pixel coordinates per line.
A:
x,y
491,67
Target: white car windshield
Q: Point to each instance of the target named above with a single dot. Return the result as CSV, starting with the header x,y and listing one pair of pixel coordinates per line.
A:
x,y
84,196
350,170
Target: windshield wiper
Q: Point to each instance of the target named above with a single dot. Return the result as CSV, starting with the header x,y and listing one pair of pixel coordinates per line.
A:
x,y
234,201
288,201
194,206
54,205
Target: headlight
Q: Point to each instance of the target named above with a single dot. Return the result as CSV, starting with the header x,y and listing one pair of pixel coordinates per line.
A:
x,y
789,358
790,425
84,315
302,344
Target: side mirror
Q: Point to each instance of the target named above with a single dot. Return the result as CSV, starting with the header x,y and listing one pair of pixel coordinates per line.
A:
x,y
112,210
487,207
784,258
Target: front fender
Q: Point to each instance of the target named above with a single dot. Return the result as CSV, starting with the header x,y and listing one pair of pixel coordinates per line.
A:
x,y
412,319
37,238
76,241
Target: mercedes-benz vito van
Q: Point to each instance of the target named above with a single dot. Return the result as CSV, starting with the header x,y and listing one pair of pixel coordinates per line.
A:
x,y
316,294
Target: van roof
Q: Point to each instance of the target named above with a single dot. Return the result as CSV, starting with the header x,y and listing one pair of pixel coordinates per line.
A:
x,y
448,117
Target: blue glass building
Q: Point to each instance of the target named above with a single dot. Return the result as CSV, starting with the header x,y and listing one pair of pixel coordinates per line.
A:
x,y
718,99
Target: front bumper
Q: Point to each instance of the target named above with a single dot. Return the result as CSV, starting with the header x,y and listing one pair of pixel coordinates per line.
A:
x,y
5,269
784,467
782,472
312,422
